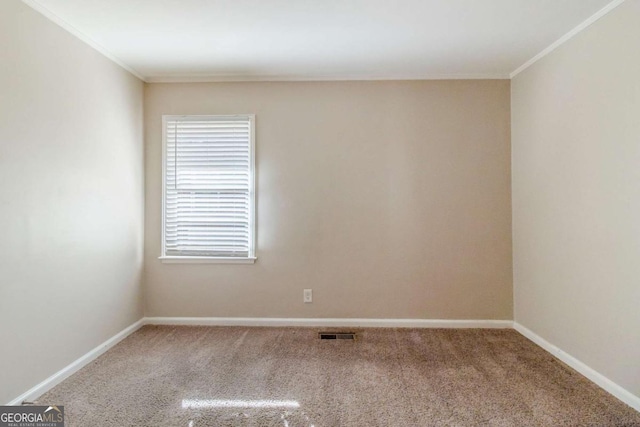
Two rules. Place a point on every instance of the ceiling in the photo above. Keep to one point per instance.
(182, 40)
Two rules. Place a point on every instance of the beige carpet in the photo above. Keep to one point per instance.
(223, 376)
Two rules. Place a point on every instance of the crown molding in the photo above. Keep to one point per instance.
(35, 5)
(206, 78)
(568, 36)
(301, 78)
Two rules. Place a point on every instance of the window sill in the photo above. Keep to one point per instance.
(205, 260)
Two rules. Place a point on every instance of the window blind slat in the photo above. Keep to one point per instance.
(208, 188)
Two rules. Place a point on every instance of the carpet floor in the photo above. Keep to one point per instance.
(183, 376)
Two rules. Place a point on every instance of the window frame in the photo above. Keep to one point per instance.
(189, 259)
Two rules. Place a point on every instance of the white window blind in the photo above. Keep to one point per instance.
(208, 186)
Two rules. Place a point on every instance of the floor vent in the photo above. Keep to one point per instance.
(337, 335)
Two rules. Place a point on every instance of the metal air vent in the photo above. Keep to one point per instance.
(337, 335)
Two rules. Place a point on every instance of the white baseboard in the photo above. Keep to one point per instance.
(599, 379)
(75, 366)
(320, 322)
(72, 368)
(593, 375)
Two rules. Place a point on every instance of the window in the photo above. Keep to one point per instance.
(208, 179)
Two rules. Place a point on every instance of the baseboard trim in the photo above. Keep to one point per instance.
(75, 366)
(605, 383)
(596, 377)
(321, 322)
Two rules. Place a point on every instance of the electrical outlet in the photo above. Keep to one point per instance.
(307, 295)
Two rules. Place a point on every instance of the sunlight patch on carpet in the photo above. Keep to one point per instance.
(197, 404)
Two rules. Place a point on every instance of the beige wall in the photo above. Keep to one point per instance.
(71, 198)
(576, 196)
(388, 199)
